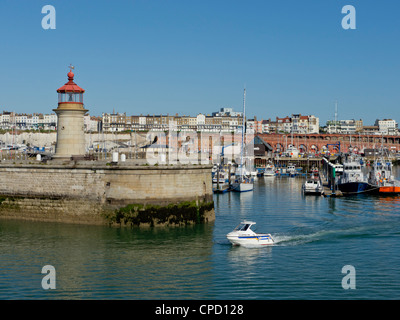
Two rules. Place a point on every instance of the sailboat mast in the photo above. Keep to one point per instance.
(336, 117)
(243, 129)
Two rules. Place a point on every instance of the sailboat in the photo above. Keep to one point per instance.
(243, 182)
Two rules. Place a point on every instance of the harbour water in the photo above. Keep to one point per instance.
(315, 238)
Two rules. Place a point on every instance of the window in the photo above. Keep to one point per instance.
(70, 97)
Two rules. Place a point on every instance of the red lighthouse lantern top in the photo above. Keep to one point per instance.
(70, 92)
(70, 86)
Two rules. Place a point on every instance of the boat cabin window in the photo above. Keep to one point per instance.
(243, 227)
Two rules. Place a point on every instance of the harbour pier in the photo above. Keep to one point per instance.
(328, 174)
(74, 186)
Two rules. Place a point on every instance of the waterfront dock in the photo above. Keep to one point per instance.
(328, 192)
(328, 179)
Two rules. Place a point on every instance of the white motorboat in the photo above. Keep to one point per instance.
(291, 170)
(220, 177)
(313, 186)
(269, 171)
(243, 235)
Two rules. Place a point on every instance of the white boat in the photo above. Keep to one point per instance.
(353, 180)
(243, 185)
(243, 235)
(313, 186)
(220, 180)
(291, 170)
(269, 171)
(220, 177)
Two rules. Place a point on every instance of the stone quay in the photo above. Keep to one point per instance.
(72, 187)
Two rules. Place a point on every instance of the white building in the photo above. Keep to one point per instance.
(227, 112)
(313, 124)
(341, 127)
(250, 126)
(6, 120)
(265, 126)
(387, 126)
(90, 123)
(201, 119)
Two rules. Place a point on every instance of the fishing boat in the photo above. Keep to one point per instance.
(243, 235)
(381, 178)
(353, 180)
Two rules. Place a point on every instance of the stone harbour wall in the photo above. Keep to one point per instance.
(91, 192)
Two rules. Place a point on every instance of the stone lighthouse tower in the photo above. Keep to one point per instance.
(70, 127)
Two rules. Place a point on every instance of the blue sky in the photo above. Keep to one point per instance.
(187, 57)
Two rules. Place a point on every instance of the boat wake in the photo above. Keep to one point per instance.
(305, 235)
(292, 240)
(321, 235)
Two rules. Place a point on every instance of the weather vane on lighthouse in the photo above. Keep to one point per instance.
(71, 67)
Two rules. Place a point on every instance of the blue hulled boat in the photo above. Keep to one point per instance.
(353, 180)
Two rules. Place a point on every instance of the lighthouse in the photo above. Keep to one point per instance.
(70, 115)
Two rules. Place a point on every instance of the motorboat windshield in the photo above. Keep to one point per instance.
(244, 226)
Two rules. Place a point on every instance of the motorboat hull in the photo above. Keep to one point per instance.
(316, 191)
(269, 174)
(312, 187)
(250, 240)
